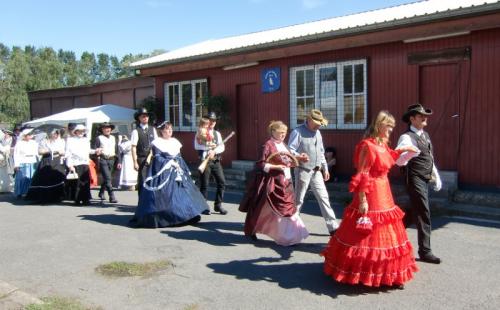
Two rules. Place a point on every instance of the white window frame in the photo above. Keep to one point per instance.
(194, 117)
(339, 101)
(293, 98)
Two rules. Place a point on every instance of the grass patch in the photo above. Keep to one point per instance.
(192, 307)
(59, 303)
(125, 269)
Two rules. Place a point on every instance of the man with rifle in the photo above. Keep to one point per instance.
(213, 152)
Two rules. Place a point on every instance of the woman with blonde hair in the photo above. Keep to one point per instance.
(270, 200)
(371, 246)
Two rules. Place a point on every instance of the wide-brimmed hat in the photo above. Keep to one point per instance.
(106, 125)
(141, 111)
(413, 110)
(80, 127)
(162, 125)
(212, 116)
(317, 117)
(6, 131)
(26, 131)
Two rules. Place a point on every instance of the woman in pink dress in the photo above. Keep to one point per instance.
(371, 246)
(269, 199)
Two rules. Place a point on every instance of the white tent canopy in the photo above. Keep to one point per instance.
(121, 117)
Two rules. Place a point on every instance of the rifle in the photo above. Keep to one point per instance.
(204, 163)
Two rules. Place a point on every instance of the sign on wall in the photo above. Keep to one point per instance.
(271, 79)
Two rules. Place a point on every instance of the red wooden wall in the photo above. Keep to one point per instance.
(464, 94)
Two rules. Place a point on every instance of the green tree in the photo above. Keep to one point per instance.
(87, 69)
(103, 67)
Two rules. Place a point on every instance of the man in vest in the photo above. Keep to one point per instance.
(141, 139)
(214, 166)
(107, 159)
(306, 143)
(418, 172)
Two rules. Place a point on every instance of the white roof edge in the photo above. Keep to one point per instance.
(365, 21)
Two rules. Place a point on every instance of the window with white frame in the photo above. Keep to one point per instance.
(184, 103)
(338, 89)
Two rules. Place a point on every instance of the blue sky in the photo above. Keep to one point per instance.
(141, 26)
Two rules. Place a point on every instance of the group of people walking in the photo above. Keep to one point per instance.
(58, 167)
(369, 247)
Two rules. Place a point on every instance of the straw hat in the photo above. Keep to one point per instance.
(317, 117)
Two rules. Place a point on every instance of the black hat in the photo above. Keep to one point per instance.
(212, 116)
(106, 125)
(413, 110)
(140, 112)
(17, 127)
(71, 126)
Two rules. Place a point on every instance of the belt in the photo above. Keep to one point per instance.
(317, 168)
(108, 157)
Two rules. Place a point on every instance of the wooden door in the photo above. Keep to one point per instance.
(439, 89)
(248, 122)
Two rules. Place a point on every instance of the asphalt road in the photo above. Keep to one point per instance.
(53, 250)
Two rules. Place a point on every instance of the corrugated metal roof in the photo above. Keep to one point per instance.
(349, 24)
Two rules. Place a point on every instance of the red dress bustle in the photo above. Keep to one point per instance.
(383, 256)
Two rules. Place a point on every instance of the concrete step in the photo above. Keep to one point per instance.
(235, 174)
(469, 210)
(245, 165)
(484, 199)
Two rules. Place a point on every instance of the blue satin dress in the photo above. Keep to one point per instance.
(170, 197)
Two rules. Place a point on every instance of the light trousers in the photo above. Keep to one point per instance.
(314, 179)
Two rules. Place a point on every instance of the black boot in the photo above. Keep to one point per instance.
(112, 198)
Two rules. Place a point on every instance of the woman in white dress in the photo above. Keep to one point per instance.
(6, 182)
(128, 175)
(77, 159)
(25, 159)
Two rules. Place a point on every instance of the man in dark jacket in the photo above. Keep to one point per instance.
(419, 171)
(141, 139)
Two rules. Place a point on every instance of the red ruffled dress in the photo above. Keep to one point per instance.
(383, 256)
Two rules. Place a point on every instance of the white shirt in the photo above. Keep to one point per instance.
(134, 138)
(77, 151)
(25, 152)
(108, 145)
(220, 148)
(171, 146)
(407, 140)
(52, 146)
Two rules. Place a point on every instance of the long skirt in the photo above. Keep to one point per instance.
(47, 184)
(128, 175)
(23, 179)
(81, 189)
(6, 182)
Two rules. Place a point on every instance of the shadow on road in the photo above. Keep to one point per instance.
(110, 219)
(306, 276)
(224, 234)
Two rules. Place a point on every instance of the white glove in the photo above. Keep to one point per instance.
(438, 184)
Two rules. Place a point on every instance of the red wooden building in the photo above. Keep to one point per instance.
(126, 92)
(443, 54)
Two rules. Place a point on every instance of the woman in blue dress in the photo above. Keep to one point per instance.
(170, 197)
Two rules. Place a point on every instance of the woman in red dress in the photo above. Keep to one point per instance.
(269, 199)
(371, 246)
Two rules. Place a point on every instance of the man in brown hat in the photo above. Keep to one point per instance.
(419, 171)
(306, 143)
(107, 159)
(141, 139)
